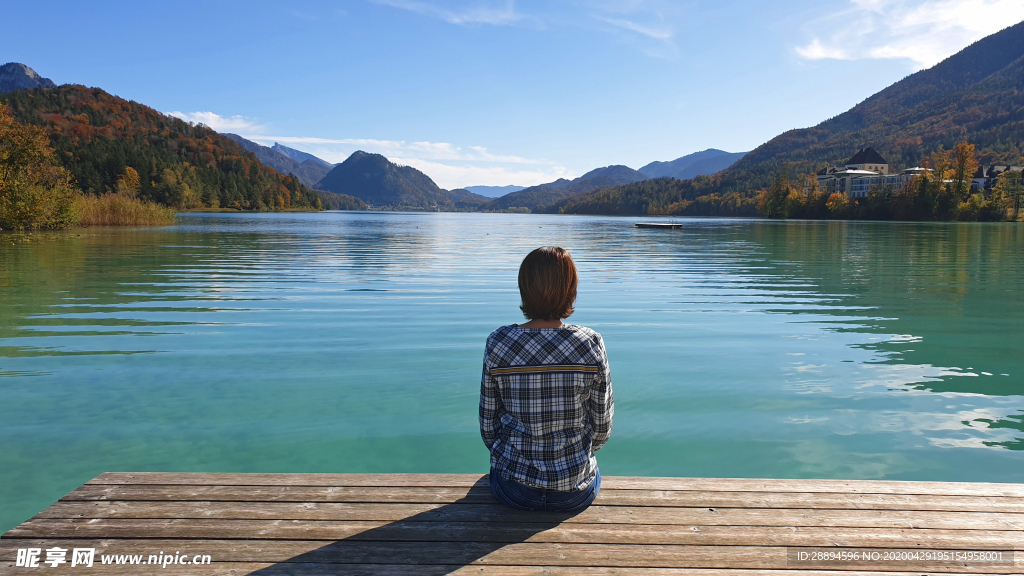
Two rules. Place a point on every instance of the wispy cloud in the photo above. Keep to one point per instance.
(449, 165)
(453, 176)
(218, 122)
(922, 31)
(649, 25)
(650, 32)
(502, 14)
(818, 51)
(424, 150)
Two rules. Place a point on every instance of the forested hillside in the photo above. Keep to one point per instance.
(308, 172)
(692, 165)
(98, 136)
(381, 183)
(538, 198)
(976, 95)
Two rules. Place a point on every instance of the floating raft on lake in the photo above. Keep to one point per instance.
(659, 225)
(408, 524)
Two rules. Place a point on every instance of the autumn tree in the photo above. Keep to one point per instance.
(128, 183)
(962, 166)
(1011, 187)
(35, 192)
(839, 205)
(936, 185)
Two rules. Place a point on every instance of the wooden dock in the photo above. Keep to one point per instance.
(398, 524)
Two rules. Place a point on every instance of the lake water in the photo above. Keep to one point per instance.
(352, 342)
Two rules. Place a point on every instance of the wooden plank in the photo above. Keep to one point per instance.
(439, 524)
(299, 569)
(840, 486)
(607, 497)
(261, 479)
(158, 492)
(519, 532)
(465, 553)
(609, 482)
(499, 513)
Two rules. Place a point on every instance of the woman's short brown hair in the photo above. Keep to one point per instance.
(547, 284)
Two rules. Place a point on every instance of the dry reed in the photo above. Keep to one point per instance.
(123, 210)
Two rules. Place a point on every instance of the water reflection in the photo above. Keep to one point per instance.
(340, 342)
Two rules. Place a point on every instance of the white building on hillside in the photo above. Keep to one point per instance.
(866, 170)
(985, 177)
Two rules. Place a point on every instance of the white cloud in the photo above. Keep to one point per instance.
(481, 13)
(451, 176)
(426, 150)
(922, 31)
(650, 32)
(818, 51)
(449, 165)
(218, 122)
(649, 25)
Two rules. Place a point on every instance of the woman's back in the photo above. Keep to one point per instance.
(545, 404)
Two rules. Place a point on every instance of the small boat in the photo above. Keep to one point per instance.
(659, 225)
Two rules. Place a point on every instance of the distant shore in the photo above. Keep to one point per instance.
(191, 210)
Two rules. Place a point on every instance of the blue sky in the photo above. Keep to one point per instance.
(498, 92)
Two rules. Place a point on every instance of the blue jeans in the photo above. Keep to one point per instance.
(512, 493)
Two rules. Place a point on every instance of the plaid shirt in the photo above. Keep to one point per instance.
(546, 404)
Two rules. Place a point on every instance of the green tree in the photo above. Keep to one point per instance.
(1010, 186)
(772, 202)
(879, 203)
(35, 192)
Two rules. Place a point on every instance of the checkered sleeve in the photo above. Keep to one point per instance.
(490, 401)
(601, 404)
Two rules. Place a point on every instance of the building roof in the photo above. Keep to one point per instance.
(867, 156)
(994, 170)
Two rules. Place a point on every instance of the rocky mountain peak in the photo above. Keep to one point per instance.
(17, 76)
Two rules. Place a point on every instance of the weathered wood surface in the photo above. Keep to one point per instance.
(341, 524)
(609, 482)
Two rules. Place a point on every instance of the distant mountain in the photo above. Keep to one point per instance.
(709, 166)
(494, 191)
(381, 183)
(536, 197)
(707, 161)
(97, 136)
(15, 76)
(976, 95)
(466, 200)
(300, 156)
(309, 173)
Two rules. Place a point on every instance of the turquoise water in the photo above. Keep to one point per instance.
(352, 342)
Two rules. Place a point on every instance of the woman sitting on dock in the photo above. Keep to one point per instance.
(546, 395)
